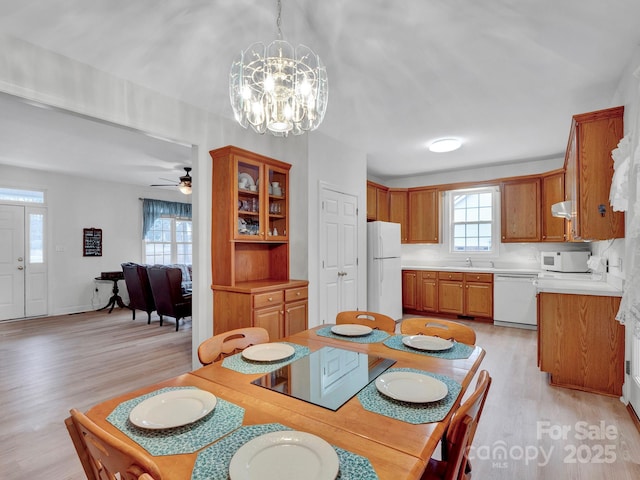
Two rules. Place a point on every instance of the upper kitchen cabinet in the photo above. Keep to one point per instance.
(553, 228)
(520, 210)
(399, 211)
(249, 217)
(424, 218)
(377, 202)
(588, 174)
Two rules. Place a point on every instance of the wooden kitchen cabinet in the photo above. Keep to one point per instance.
(553, 228)
(399, 211)
(428, 291)
(588, 174)
(451, 293)
(250, 245)
(424, 217)
(580, 343)
(478, 295)
(377, 202)
(520, 210)
(281, 309)
(410, 289)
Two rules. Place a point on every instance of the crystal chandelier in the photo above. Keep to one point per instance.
(277, 88)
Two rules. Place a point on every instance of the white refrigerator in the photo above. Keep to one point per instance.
(384, 270)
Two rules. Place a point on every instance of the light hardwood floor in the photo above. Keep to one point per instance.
(50, 365)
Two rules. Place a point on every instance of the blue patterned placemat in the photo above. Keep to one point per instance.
(458, 351)
(225, 418)
(213, 462)
(239, 364)
(415, 413)
(374, 337)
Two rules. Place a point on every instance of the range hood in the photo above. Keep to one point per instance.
(562, 209)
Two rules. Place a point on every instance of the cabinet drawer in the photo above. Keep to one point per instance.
(479, 277)
(450, 275)
(267, 299)
(293, 294)
(429, 275)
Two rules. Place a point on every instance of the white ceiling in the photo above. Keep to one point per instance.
(505, 75)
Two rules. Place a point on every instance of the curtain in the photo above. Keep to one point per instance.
(154, 209)
(630, 307)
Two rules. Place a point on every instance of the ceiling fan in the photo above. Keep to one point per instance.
(185, 183)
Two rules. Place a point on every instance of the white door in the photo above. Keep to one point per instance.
(338, 254)
(634, 389)
(12, 264)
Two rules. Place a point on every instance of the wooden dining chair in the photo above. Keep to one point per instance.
(439, 328)
(105, 457)
(459, 436)
(370, 319)
(228, 343)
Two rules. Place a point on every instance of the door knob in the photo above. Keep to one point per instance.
(20, 259)
(20, 267)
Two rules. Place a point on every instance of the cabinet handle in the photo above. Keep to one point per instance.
(298, 293)
(271, 299)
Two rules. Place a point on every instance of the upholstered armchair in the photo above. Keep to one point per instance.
(140, 296)
(166, 285)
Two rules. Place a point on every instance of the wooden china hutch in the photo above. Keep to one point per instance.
(250, 246)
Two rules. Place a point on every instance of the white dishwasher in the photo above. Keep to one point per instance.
(514, 300)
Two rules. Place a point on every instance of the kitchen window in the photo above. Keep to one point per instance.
(473, 226)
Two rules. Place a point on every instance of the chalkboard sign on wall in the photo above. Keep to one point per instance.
(92, 242)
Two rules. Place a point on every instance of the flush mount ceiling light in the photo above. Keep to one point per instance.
(278, 89)
(443, 145)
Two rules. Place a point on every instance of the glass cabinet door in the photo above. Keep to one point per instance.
(277, 207)
(249, 225)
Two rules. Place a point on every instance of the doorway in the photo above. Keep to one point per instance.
(23, 268)
(338, 253)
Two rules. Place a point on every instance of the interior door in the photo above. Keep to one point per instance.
(338, 254)
(12, 278)
(634, 389)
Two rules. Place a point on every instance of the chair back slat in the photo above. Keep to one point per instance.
(439, 328)
(370, 319)
(105, 457)
(228, 343)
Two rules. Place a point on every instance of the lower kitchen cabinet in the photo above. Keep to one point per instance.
(452, 293)
(280, 308)
(478, 294)
(428, 291)
(580, 343)
(410, 289)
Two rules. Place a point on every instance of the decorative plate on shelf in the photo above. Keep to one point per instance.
(247, 178)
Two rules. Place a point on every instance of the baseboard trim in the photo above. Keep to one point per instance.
(634, 416)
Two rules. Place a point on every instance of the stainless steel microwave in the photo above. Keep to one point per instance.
(564, 261)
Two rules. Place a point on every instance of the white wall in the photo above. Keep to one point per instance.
(75, 203)
(345, 168)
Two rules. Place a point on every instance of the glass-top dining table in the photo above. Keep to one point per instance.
(326, 388)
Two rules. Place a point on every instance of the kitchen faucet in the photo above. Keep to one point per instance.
(468, 262)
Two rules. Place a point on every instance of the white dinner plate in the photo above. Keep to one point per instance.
(286, 455)
(247, 177)
(351, 330)
(268, 352)
(411, 387)
(427, 342)
(172, 409)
